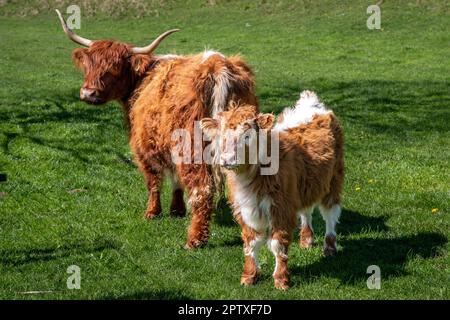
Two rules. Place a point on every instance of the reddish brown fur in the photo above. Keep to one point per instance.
(160, 95)
(311, 171)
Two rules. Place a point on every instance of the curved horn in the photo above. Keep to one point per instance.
(72, 35)
(152, 46)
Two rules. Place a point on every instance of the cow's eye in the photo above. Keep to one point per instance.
(247, 139)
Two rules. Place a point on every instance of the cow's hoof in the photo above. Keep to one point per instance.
(177, 213)
(193, 244)
(177, 207)
(152, 214)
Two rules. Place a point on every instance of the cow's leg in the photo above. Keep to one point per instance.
(153, 182)
(279, 245)
(306, 229)
(331, 216)
(177, 206)
(199, 181)
(253, 241)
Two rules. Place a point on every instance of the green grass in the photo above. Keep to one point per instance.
(390, 89)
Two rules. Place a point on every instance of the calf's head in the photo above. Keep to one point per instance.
(110, 68)
(236, 133)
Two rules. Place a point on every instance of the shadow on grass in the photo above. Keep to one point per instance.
(56, 111)
(390, 255)
(17, 257)
(392, 108)
(352, 222)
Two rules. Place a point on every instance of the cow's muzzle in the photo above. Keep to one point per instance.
(90, 96)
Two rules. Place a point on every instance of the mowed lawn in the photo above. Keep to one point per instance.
(73, 197)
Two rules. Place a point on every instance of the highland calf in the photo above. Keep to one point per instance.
(311, 172)
(160, 94)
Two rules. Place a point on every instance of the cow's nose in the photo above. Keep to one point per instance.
(87, 94)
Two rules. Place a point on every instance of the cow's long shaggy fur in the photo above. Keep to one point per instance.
(160, 94)
(311, 172)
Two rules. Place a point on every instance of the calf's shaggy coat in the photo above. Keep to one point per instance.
(159, 94)
(311, 172)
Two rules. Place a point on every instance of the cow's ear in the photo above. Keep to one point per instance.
(265, 121)
(209, 127)
(140, 63)
(79, 57)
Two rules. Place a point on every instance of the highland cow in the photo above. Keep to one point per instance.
(160, 94)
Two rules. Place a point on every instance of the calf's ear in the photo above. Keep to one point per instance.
(209, 127)
(265, 121)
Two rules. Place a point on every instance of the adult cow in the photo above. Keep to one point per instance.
(159, 94)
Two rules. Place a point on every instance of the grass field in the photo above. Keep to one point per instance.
(74, 198)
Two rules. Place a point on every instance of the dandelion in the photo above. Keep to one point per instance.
(434, 210)
(370, 181)
(357, 189)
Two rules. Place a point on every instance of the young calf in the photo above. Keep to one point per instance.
(310, 172)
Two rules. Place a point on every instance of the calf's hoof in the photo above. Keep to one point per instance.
(249, 279)
(306, 238)
(282, 283)
(329, 248)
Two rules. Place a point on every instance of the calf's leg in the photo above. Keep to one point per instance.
(331, 216)
(253, 241)
(306, 229)
(279, 245)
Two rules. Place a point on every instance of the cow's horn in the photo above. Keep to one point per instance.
(72, 35)
(152, 46)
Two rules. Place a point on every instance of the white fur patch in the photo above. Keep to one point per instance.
(255, 214)
(306, 217)
(302, 113)
(221, 87)
(221, 91)
(278, 251)
(209, 53)
(331, 217)
(253, 248)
